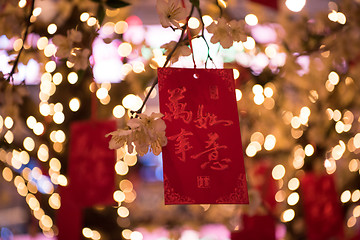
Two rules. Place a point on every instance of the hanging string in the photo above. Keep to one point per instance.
(190, 42)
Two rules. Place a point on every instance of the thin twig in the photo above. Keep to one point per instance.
(167, 61)
(28, 24)
(203, 37)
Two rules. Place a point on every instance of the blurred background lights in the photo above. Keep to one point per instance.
(124, 49)
(135, 235)
(293, 184)
(8, 122)
(102, 93)
(84, 16)
(72, 77)
(345, 196)
(270, 142)
(295, 5)
(38, 128)
(251, 19)
(309, 150)
(29, 144)
(87, 232)
(238, 94)
(74, 104)
(278, 172)
(207, 20)
(132, 102)
(119, 111)
(193, 23)
(123, 212)
(288, 215)
(293, 199)
(52, 28)
(121, 27)
(59, 117)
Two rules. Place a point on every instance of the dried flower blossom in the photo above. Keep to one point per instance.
(66, 44)
(181, 50)
(226, 33)
(144, 132)
(171, 12)
(80, 58)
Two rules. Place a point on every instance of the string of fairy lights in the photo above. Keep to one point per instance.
(26, 179)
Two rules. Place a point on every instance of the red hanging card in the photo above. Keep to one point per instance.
(323, 214)
(203, 159)
(262, 180)
(251, 226)
(69, 219)
(91, 163)
(272, 3)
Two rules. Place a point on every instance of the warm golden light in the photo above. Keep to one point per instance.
(7, 174)
(72, 78)
(295, 5)
(124, 49)
(119, 196)
(87, 232)
(193, 23)
(52, 28)
(278, 172)
(8, 122)
(251, 19)
(43, 153)
(42, 43)
(293, 184)
(74, 104)
(123, 212)
(132, 102)
(91, 21)
(270, 142)
(59, 117)
(293, 199)
(54, 201)
(121, 168)
(50, 66)
(119, 111)
(121, 27)
(288, 215)
(29, 144)
(345, 196)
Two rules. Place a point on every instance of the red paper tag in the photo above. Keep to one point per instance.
(203, 159)
(91, 163)
(251, 226)
(323, 214)
(272, 3)
(69, 219)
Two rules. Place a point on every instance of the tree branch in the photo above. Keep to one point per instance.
(28, 24)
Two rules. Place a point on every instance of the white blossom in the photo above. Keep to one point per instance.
(144, 132)
(172, 12)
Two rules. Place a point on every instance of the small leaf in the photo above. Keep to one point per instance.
(116, 3)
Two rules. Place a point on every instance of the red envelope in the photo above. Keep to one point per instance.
(203, 159)
(91, 163)
(323, 214)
